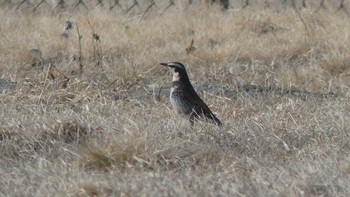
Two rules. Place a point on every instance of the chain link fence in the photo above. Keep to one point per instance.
(161, 6)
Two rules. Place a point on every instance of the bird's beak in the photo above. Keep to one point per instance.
(164, 64)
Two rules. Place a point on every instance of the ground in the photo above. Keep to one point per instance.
(92, 117)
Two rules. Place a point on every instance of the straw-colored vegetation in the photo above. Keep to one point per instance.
(93, 118)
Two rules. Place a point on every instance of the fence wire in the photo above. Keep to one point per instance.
(162, 6)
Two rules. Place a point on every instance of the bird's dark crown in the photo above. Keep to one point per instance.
(176, 65)
(178, 68)
(179, 71)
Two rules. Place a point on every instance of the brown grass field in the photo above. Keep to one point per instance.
(93, 117)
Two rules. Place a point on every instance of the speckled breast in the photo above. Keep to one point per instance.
(179, 103)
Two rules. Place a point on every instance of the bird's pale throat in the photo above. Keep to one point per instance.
(176, 76)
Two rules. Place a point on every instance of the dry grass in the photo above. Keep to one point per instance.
(96, 127)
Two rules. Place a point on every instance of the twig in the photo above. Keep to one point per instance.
(93, 40)
(156, 96)
(112, 83)
(307, 34)
(65, 77)
(95, 37)
(65, 34)
(49, 73)
(80, 50)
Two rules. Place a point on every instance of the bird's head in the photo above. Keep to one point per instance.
(178, 70)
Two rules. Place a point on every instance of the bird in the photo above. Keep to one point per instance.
(185, 99)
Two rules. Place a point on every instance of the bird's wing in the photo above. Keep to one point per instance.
(193, 97)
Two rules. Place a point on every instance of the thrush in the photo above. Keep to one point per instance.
(184, 98)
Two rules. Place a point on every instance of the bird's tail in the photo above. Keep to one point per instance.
(206, 115)
(215, 119)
